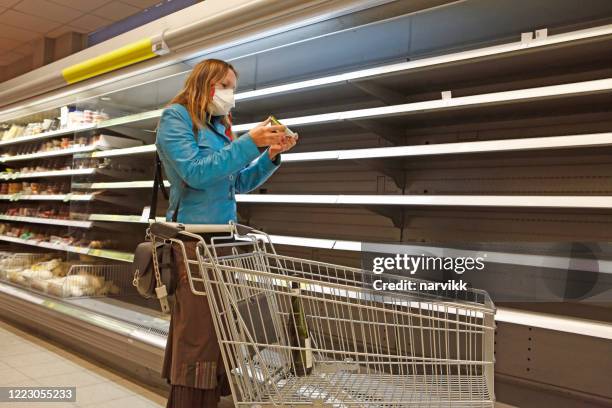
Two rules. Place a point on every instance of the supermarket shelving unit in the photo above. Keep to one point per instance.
(502, 139)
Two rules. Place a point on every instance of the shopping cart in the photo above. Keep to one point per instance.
(367, 348)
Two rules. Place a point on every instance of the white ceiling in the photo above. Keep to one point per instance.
(22, 21)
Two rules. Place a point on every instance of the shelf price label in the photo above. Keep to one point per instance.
(146, 211)
(67, 197)
(120, 256)
(15, 197)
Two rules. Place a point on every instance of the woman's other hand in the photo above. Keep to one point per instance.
(265, 135)
(283, 146)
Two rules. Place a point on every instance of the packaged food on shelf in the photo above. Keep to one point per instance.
(13, 132)
(99, 141)
(14, 262)
(62, 278)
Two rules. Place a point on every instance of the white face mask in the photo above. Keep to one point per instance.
(222, 102)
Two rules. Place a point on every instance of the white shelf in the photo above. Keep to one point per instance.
(48, 197)
(134, 118)
(100, 253)
(603, 266)
(486, 52)
(50, 173)
(51, 153)
(119, 185)
(495, 98)
(136, 219)
(43, 244)
(128, 151)
(49, 221)
(536, 143)
(520, 95)
(370, 73)
(46, 135)
(565, 324)
(550, 201)
(435, 200)
(399, 68)
(105, 142)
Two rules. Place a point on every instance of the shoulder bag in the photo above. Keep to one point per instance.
(153, 265)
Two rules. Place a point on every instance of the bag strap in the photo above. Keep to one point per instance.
(158, 184)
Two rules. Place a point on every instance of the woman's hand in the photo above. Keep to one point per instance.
(283, 146)
(264, 135)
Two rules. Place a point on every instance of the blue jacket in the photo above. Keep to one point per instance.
(206, 174)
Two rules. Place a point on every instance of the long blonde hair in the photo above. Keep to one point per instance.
(197, 92)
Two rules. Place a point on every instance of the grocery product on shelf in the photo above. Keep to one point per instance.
(35, 188)
(99, 141)
(43, 234)
(12, 131)
(59, 211)
(74, 118)
(62, 278)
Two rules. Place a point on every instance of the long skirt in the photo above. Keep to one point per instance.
(193, 365)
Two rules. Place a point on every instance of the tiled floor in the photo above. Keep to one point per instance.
(26, 360)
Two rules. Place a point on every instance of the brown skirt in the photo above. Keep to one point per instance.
(188, 397)
(193, 364)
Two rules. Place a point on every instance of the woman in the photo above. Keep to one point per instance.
(206, 165)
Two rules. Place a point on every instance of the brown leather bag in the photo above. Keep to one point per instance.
(153, 265)
(143, 270)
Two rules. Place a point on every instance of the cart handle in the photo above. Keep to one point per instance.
(172, 229)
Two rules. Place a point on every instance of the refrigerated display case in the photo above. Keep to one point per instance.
(408, 134)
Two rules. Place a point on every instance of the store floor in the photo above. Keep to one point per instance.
(26, 360)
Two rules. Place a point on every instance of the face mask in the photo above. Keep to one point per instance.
(222, 102)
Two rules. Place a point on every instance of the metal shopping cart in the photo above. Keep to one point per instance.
(358, 347)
